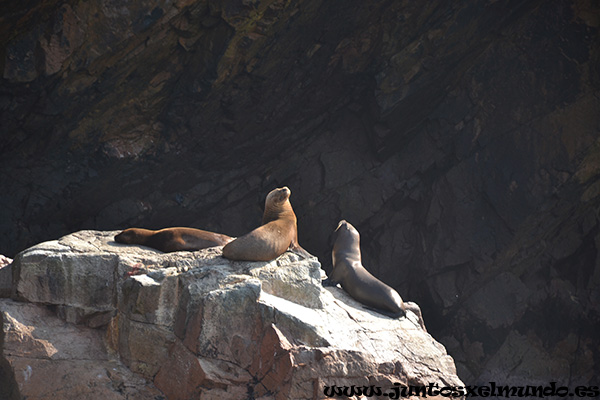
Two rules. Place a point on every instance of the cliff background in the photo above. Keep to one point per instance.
(462, 140)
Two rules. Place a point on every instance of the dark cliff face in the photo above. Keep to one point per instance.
(460, 139)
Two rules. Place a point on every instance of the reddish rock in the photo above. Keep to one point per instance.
(49, 358)
(192, 325)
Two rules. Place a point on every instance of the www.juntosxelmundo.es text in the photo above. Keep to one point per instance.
(399, 391)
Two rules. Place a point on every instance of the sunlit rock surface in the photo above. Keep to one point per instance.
(97, 318)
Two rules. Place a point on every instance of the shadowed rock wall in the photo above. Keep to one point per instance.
(460, 139)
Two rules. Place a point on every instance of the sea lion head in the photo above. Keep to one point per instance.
(131, 236)
(346, 240)
(277, 205)
(277, 197)
(346, 230)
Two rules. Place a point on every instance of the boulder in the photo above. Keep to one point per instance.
(5, 276)
(93, 316)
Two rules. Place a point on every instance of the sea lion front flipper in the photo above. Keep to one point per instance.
(328, 282)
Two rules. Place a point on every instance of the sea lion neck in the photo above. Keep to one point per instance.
(281, 211)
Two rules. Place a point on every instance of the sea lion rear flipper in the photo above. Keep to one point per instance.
(415, 309)
(296, 249)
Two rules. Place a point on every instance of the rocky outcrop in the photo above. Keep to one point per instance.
(90, 317)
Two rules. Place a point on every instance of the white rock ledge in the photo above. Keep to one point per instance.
(196, 325)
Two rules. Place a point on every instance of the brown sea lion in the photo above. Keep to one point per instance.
(358, 282)
(173, 239)
(277, 233)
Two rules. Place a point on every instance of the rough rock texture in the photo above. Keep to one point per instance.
(460, 138)
(195, 325)
(43, 357)
(5, 276)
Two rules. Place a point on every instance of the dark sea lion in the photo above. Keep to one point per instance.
(277, 233)
(358, 282)
(173, 239)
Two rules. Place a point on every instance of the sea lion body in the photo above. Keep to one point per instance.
(360, 283)
(173, 239)
(277, 233)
